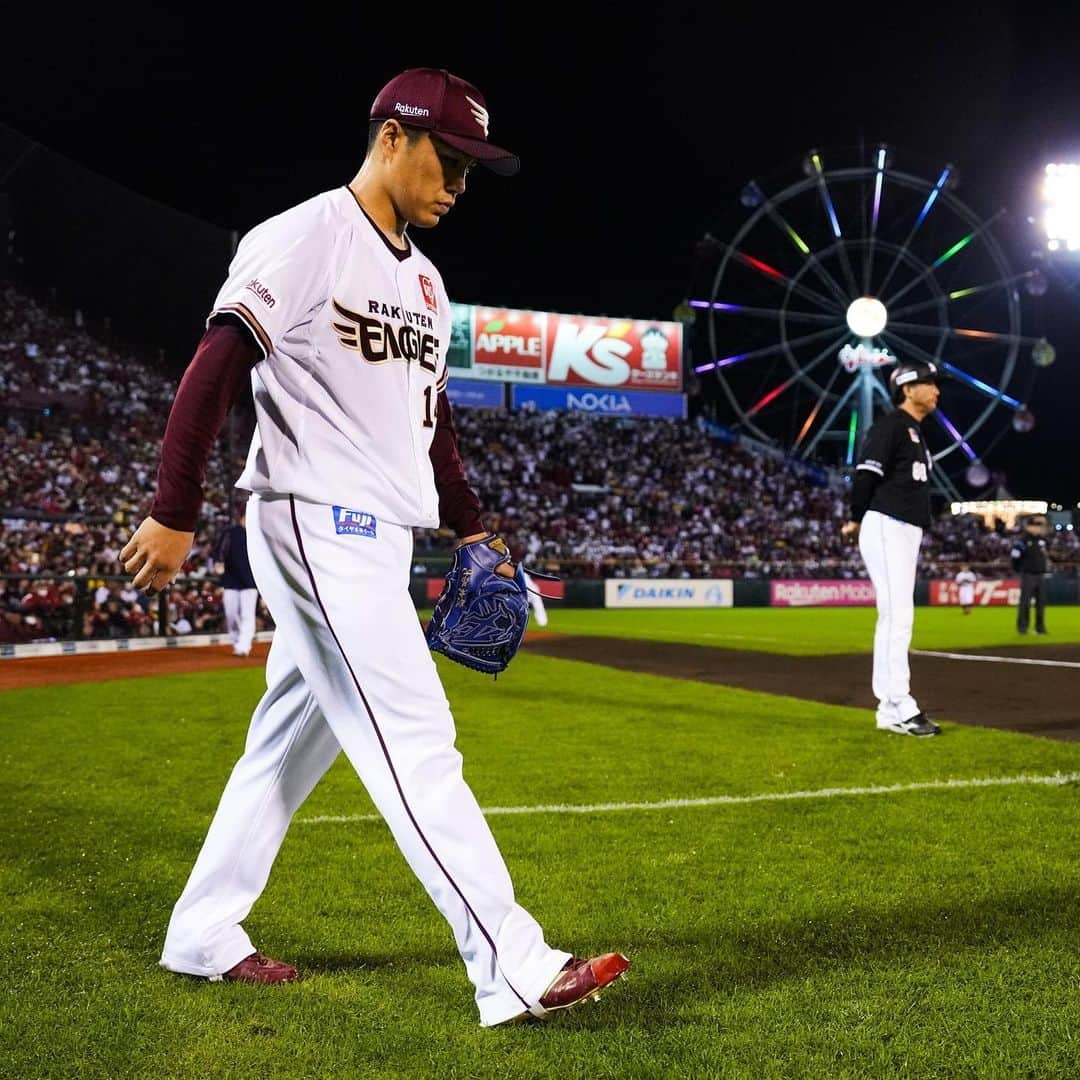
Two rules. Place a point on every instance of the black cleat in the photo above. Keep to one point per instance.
(919, 724)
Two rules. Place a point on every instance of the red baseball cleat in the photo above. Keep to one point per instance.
(580, 980)
(257, 968)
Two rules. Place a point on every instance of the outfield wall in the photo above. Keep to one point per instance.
(764, 592)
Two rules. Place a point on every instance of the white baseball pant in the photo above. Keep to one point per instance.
(239, 607)
(537, 601)
(349, 669)
(890, 551)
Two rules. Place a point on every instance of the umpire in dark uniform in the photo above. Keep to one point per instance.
(1030, 561)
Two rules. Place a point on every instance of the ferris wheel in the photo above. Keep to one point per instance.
(832, 274)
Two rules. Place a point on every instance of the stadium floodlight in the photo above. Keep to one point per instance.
(1061, 199)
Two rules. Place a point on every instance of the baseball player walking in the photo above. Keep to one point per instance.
(342, 326)
(536, 601)
(1030, 561)
(890, 508)
(240, 594)
(965, 585)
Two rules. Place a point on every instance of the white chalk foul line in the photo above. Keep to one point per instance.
(1056, 779)
(997, 659)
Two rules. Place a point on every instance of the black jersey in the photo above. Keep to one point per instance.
(1029, 554)
(893, 473)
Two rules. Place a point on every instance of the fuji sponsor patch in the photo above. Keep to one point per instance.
(354, 522)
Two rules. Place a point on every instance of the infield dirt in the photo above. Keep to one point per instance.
(1035, 698)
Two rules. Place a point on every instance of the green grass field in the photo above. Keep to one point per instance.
(904, 927)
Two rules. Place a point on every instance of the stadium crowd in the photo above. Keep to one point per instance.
(582, 496)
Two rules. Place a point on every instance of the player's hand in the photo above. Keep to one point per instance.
(154, 555)
(505, 569)
(849, 530)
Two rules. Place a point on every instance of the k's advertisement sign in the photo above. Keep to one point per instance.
(668, 592)
(615, 354)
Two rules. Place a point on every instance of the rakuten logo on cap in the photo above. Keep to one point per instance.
(411, 110)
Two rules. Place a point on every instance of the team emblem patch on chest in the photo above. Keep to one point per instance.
(354, 522)
(913, 436)
(428, 289)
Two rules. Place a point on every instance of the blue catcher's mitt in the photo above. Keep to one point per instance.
(481, 615)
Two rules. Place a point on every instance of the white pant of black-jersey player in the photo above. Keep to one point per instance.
(890, 550)
(349, 669)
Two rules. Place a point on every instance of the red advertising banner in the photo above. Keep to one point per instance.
(509, 345)
(1003, 593)
(820, 593)
(616, 354)
(549, 590)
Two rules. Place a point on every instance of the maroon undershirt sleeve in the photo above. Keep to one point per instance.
(211, 384)
(459, 506)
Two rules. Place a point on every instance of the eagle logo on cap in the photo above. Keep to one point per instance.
(480, 114)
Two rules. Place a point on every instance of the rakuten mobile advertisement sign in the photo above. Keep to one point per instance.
(821, 593)
(1003, 593)
(668, 592)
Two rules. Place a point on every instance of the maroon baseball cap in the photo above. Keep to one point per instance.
(451, 108)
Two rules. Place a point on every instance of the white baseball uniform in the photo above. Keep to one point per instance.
(965, 581)
(536, 600)
(354, 334)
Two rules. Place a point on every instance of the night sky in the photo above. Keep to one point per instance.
(636, 136)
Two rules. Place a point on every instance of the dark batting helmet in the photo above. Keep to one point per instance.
(912, 371)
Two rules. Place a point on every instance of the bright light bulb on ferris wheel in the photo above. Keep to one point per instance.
(866, 317)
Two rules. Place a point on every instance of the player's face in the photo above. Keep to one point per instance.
(925, 395)
(432, 177)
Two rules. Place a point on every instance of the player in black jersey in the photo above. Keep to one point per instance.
(890, 508)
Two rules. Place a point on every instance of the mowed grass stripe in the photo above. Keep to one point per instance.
(1056, 780)
(812, 631)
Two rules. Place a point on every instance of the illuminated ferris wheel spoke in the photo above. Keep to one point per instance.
(982, 387)
(827, 423)
(834, 221)
(808, 423)
(803, 248)
(766, 313)
(768, 350)
(930, 200)
(875, 214)
(829, 350)
(963, 332)
(943, 258)
(958, 439)
(905, 347)
(962, 294)
(780, 278)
